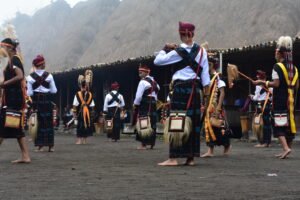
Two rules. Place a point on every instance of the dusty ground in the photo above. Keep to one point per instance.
(106, 170)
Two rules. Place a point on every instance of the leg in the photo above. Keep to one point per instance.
(142, 147)
(209, 153)
(226, 150)
(51, 148)
(1, 140)
(189, 161)
(78, 141)
(25, 153)
(39, 149)
(84, 140)
(286, 148)
(169, 162)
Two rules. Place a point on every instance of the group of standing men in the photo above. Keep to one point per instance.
(196, 96)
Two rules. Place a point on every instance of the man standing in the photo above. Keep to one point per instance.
(113, 105)
(191, 76)
(145, 104)
(41, 87)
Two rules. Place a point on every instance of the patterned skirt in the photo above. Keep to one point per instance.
(115, 114)
(42, 103)
(143, 112)
(180, 98)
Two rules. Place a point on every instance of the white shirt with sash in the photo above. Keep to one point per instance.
(187, 73)
(108, 98)
(30, 81)
(144, 85)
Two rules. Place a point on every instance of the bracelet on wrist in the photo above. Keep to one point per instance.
(267, 83)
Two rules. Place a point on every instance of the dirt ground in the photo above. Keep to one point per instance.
(107, 170)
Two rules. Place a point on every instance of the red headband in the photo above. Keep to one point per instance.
(38, 61)
(7, 45)
(144, 68)
(114, 85)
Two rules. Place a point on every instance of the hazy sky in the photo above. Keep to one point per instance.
(8, 8)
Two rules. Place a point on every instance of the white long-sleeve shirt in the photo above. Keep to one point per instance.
(107, 99)
(257, 96)
(30, 81)
(186, 73)
(76, 102)
(144, 85)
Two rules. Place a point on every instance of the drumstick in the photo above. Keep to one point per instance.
(247, 77)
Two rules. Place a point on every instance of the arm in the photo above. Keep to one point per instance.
(164, 58)
(139, 93)
(29, 86)
(122, 101)
(105, 109)
(221, 98)
(53, 88)
(205, 77)
(19, 76)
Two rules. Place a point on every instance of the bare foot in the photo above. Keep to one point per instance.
(51, 149)
(285, 154)
(226, 150)
(21, 161)
(169, 162)
(262, 145)
(190, 163)
(39, 150)
(278, 155)
(141, 148)
(207, 155)
(78, 142)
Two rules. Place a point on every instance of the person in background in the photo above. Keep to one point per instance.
(82, 104)
(145, 104)
(113, 106)
(41, 87)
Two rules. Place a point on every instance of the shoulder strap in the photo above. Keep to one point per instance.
(285, 73)
(40, 80)
(291, 96)
(79, 94)
(189, 58)
(90, 98)
(114, 98)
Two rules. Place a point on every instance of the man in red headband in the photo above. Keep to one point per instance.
(113, 106)
(259, 98)
(145, 105)
(192, 75)
(41, 87)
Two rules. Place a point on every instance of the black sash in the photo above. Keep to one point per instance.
(40, 80)
(188, 59)
(153, 84)
(114, 98)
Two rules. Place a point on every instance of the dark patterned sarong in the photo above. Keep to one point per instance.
(180, 98)
(143, 111)
(42, 103)
(83, 131)
(114, 113)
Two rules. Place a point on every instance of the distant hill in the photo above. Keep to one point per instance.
(107, 30)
